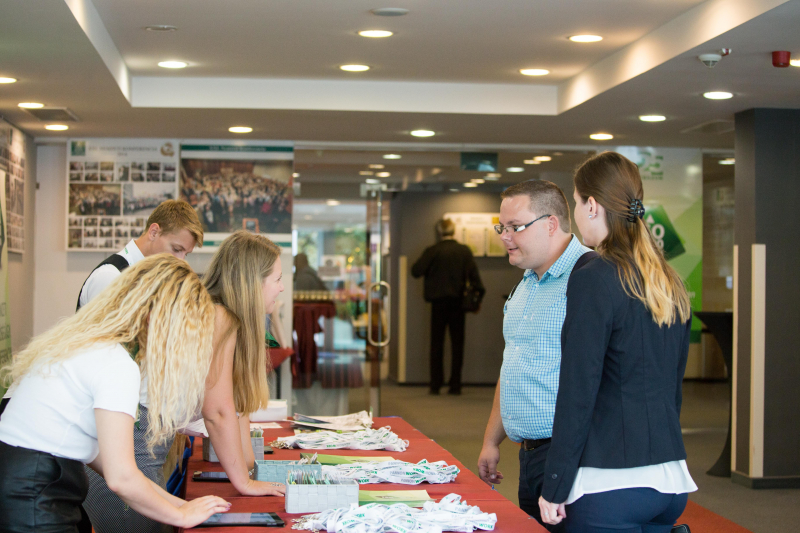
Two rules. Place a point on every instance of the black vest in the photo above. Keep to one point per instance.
(115, 260)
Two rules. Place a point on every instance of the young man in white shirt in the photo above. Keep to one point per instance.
(173, 227)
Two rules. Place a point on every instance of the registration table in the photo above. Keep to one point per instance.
(467, 485)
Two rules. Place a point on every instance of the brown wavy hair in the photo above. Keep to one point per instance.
(614, 182)
(160, 304)
(234, 279)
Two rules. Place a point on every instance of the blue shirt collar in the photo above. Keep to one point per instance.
(566, 261)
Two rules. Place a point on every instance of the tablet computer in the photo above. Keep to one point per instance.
(244, 519)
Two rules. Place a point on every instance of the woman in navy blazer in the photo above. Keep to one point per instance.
(617, 460)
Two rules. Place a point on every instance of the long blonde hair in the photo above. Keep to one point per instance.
(234, 280)
(159, 304)
(614, 182)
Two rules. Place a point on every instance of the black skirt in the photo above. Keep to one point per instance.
(39, 492)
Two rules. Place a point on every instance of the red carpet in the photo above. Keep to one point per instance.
(701, 520)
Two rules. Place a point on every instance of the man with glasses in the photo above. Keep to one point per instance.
(535, 229)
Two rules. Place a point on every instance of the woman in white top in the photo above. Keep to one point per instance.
(243, 280)
(617, 460)
(76, 391)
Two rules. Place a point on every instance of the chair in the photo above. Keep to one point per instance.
(178, 477)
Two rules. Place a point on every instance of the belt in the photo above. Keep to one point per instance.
(532, 444)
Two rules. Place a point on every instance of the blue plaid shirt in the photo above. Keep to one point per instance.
(532, 358)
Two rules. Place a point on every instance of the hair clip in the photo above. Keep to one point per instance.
(636, 210)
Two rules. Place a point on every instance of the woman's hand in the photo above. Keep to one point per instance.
(201, 509)
(552, 513)
(263, 488)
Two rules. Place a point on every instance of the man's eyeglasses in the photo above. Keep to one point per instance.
(500, 229)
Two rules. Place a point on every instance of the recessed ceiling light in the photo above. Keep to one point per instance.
(376, 34)
(601, 136)
(30, 105)
(558, 153)
(240, 129)
(534, 72)
(585, 38)
(652, 118)
(728, 161)
(354, 68)
(161, 28)
(478, 180)
(390, 11)
(383, 174)
(718, 95)
(532, 162)
(493, 175)
(543, 158)
(792, 62)
(378, 167)
(333, 202)
(8, 80)
(296, 175)
(173, 64)
(454, 190)
(365, 173)
(56, 127)
(392, 156)
(372, 181)
(470, 184)
(423, 133)
(515, 169)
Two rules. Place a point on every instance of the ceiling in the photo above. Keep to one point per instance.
(452, 67)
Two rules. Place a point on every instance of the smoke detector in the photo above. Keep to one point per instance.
(711, 60)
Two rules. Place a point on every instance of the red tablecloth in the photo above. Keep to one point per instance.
(278, 356)
(510, 518)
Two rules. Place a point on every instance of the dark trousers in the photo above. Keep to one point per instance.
(39, 492)
(447, 313)
(531, 479)
(639, 510)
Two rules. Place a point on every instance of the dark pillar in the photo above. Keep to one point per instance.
(766, 375)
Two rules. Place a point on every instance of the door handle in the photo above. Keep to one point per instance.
(388, 307)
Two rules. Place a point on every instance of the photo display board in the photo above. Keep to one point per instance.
(113, 185)
(12, 161)
(476, 230)
(5, 311)
(242, 186)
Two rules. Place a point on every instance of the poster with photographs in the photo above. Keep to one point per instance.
(12, 161)
(234, 187)
(113, 186)
(5, 311)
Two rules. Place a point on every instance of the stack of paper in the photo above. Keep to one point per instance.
(351, 422)
(412, 498)
(276, 410)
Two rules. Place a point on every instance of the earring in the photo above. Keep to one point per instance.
(591, 217)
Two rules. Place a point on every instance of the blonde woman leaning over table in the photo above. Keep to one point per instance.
(243, 279)
(76, 391)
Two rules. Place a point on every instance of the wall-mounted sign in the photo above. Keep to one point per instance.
(12, 161)
(480, 161)
(476, 231)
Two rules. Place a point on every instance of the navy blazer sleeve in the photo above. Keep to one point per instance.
(584, 339)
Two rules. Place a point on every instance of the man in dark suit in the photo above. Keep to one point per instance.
(447, 265)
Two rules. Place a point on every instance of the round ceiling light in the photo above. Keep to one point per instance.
(375, 34)
(532, 162)
(390, 11)
(652, 118)
(423, 133)
(333, 202)
(56, 127)
(240, 129)
(601, 136)
(161, 28)
(383, 174)
(8, 80)
(718, 95)
(515, 169)
(30, 105)
(792, 62)
(392, 156)
(534, 71)
(365, 173)
(173, 64)
(585, 38)
(493, 176)
(478, 180)
(377, 167)
(470, 184)
(354, 68)
(543, 158)
(728, 161)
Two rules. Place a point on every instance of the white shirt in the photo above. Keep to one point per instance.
(104, 275)
(667, 478)
(52, 408)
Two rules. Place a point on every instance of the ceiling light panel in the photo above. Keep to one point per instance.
(56, 127)
(601, 136)
(8, 80)
(470, 185)
(515, 169)
(543, 158)
(392, 156)
(365, 173)
(383, 174)
(173, 64)
(354, 68)
(718, 95)
(377, 167)
(423, 133)
(30, 105)
(375, 34)
(534, 72)
(652, 118)
(240, 129)
(585, 38)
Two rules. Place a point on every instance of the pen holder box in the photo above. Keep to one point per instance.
(276, 470)
(256, 442)
(318, 498)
